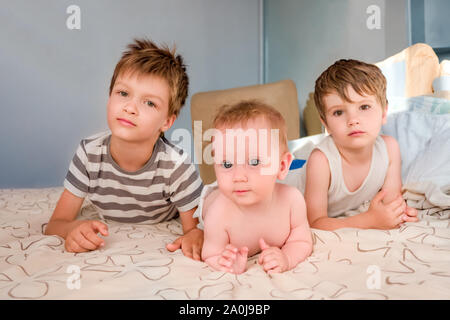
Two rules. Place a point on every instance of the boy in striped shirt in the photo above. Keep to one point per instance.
(132, 174)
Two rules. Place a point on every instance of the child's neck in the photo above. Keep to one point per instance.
(257, 208)
(360, 155)
(131, 156)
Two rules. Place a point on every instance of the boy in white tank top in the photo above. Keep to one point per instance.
(354, 164)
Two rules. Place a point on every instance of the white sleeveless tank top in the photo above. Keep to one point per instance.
(340, 199)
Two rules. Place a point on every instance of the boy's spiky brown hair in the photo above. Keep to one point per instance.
(144, 57)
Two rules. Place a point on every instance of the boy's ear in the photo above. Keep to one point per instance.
(169, 122)
(385, 112)
(285, 163)
(323, 123)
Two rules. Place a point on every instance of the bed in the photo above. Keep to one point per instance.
(412, 262)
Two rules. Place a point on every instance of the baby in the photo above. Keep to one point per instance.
(351, 165)
(246, 211)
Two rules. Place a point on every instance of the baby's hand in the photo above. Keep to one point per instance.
(83, 237)
(233, 260)
(272, 259)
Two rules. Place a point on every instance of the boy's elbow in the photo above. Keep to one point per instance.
(47, 229)
(313, 222)
(323, 223)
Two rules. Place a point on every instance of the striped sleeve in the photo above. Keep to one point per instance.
(77, 178)
(186, 187)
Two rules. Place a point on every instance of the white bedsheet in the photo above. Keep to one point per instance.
(424, 141)
(412, 262)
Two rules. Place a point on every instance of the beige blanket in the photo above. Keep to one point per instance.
(412, 262)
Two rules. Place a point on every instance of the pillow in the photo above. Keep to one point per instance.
(410, 72)
(395, 73)
(421, 104)
(311, 117)
(424, 140)
(301, 149)
(441, 85)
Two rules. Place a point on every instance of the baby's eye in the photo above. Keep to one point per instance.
(123, 93)
(227, 164)
(338, 113)
(149, 103)
(254, 162)
(365, 107)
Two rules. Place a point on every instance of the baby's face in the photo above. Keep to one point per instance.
(247, 161)
(354, 124)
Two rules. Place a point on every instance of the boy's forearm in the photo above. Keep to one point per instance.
(188, 222)
(60, 227)
(64, 216)
(391, 194)
(360, 221)
(187, 227)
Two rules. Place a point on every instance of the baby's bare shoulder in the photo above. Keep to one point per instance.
(293, 198)
(210, 198)
(288, 193)
(216, 207)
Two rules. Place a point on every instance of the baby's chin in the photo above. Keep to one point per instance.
(250, 198)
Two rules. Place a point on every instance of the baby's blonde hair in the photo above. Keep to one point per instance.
(242, 112)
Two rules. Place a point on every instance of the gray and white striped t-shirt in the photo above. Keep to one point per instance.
(167, 184)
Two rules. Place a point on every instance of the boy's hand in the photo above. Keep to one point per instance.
(191, 244)
(233, 260)
(83, 236)
(386, 216)
(410, 215)
(272, 259)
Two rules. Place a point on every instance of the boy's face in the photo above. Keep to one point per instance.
(249, 164)
(138, 108)
(353, 124)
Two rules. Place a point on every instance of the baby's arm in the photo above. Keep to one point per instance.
(299, 243)
(79, 235)
(217, 252)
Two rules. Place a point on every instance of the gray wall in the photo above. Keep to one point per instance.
(437, 27)
(303, 37)
(430, 25)
(54, 81)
